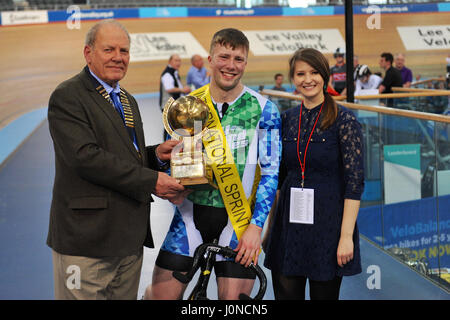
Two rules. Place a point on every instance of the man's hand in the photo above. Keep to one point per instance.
(180, 197)
(164, 150)
(169, 188)
(249, 246)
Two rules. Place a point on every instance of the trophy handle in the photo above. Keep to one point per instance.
(169, 130)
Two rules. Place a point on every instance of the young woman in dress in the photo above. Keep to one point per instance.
(313, 232)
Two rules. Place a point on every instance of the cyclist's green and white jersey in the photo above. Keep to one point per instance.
(252, 128)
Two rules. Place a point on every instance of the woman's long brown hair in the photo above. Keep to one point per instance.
(317, 61)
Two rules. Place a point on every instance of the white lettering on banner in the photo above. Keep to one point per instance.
(425, 37)
(160, 46)
(24, 17)
(286, 42)
(84, 15)
(386, 9)
(235, 12)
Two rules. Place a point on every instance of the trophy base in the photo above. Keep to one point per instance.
(193, 174)
(198, 183)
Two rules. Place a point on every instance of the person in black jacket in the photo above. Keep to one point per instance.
(171, 85)
(392, 78)
(105, 175)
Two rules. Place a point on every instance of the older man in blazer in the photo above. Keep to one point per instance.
(105, 175)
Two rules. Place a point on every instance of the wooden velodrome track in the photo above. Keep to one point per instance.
(35, 58)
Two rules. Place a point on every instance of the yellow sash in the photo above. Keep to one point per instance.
(225, 171)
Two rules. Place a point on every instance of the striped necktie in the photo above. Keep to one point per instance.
(117, 104)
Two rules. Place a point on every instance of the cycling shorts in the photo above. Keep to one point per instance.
(193, 225)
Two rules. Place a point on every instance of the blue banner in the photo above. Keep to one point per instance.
(399, 8)
(310, 11)
(54, 16)
(234, 12)
(163, 12)
(176, 12)
(415, 225)
(443, 7)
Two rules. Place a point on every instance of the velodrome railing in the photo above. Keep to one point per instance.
(405, 207)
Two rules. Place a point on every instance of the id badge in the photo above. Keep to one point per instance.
(302, 206)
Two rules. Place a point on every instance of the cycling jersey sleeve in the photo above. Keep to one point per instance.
(269, 154)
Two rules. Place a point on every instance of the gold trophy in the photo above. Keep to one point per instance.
(185, 119)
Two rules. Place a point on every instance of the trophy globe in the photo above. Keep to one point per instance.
(185, 119)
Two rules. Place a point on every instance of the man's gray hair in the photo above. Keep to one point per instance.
(92, 33)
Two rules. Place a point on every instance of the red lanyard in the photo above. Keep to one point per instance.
(303, 165)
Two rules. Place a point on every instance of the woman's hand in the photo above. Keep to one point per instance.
(345, 250)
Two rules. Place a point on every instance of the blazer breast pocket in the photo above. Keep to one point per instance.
(86, 204)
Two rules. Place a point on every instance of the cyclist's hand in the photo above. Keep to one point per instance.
(249, 246)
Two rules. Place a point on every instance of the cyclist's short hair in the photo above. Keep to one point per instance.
(230, 37)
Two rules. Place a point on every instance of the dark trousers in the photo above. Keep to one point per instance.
(293, 288)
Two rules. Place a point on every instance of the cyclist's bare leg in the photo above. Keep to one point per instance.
(164, 286)
(231, 288)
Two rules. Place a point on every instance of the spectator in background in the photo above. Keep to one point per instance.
(197, 75)
(283, 104)
(392, 78)
(366, 80)
(171, 85)
(339, 72)
(279, 82)
(407, 75)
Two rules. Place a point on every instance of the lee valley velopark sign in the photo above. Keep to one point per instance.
(286, 42)
(161, 45)
(425, 37)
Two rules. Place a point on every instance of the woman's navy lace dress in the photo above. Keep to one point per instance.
(334, 169)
